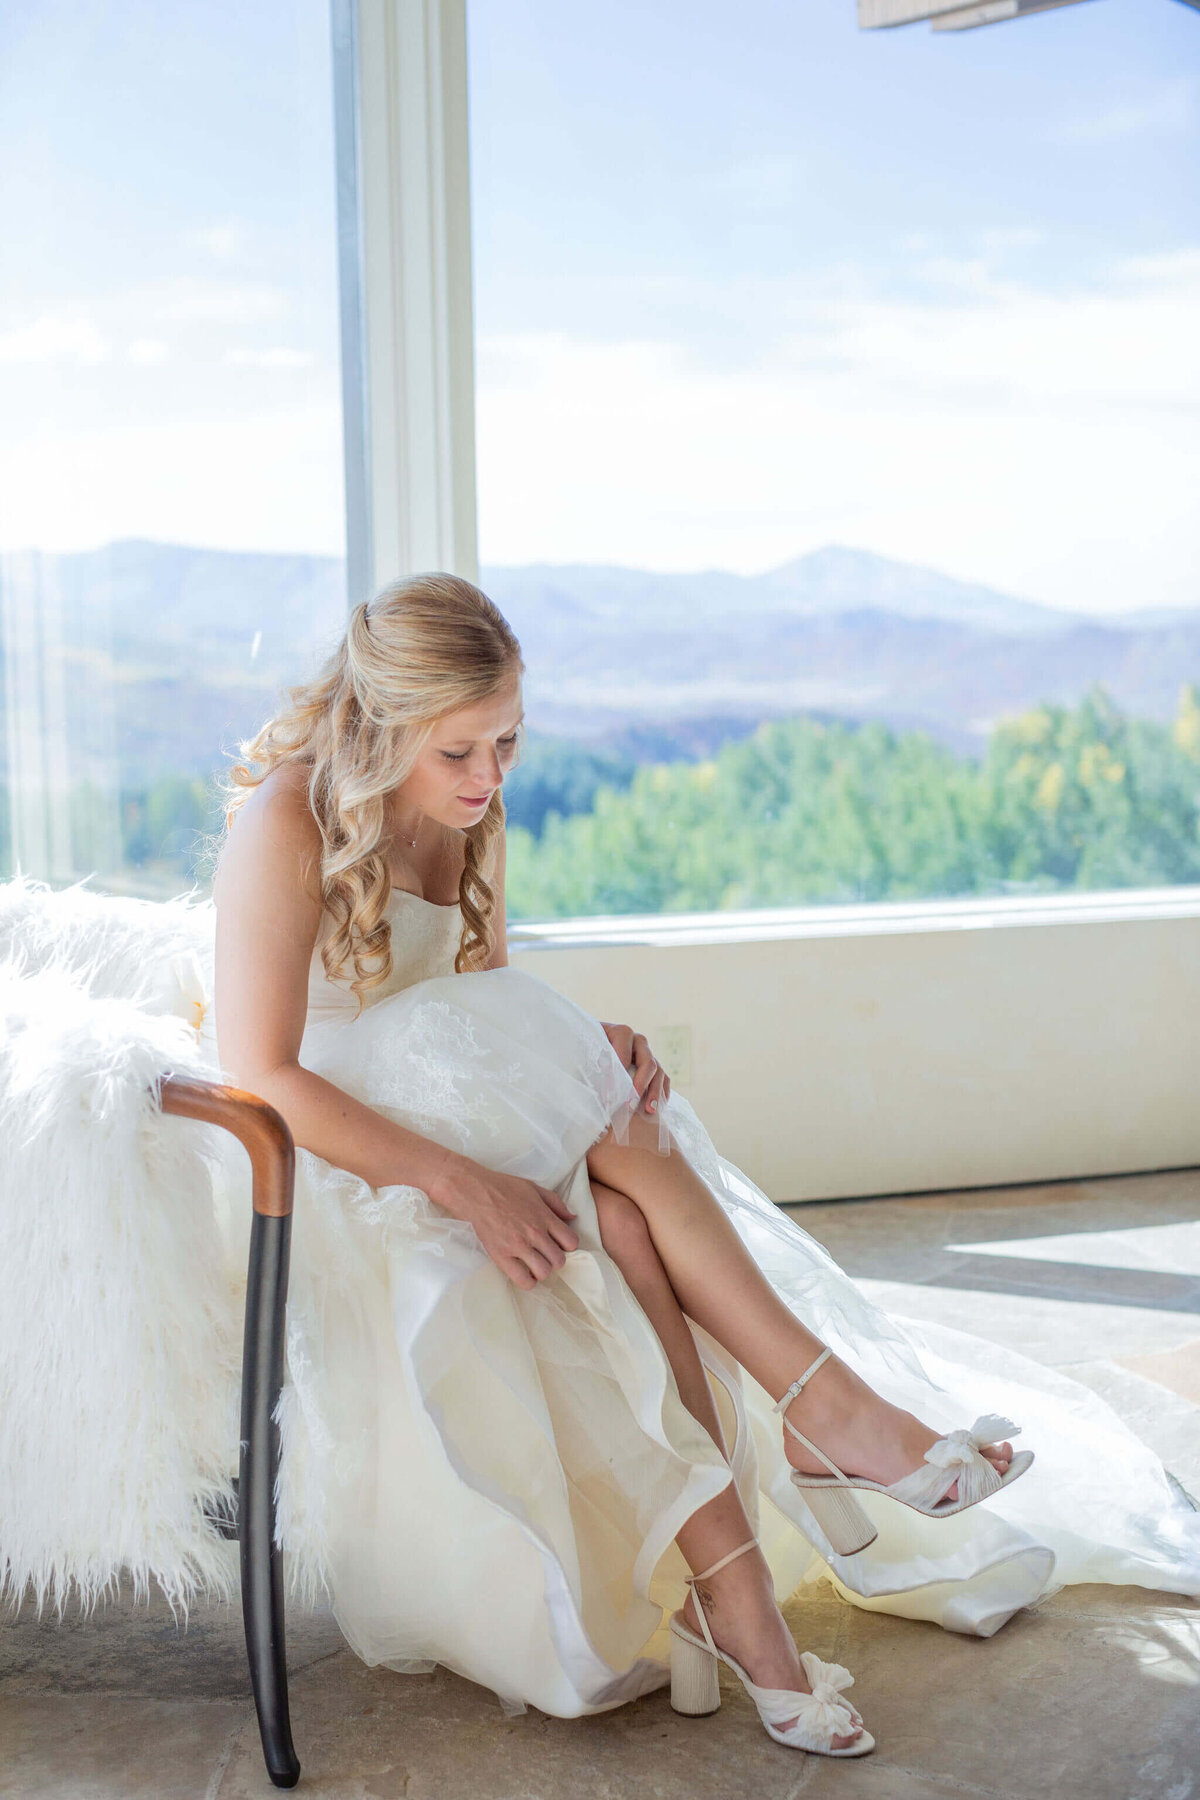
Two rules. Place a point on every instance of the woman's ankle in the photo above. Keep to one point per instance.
(743, 1591)
(857, 1429)
(834, 1399)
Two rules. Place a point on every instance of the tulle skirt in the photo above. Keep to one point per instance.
(492, 1478)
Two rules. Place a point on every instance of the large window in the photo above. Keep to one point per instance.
(838, 448)
(171, 536)
(836, 400)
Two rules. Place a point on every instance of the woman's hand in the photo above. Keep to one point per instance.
(524, 1228)
(649, 1078)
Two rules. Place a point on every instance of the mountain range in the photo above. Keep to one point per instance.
(162, 655)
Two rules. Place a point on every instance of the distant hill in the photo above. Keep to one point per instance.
(839, 632)
(831, 581)
(167, 654)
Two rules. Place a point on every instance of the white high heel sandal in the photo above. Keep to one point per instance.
(817, 1718)
(955, 1457)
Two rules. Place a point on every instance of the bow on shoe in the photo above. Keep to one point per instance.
(827, 1681)
(820, 1716)
(963, 1446)
(958, 1454)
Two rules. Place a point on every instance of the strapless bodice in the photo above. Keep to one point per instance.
(425, 938)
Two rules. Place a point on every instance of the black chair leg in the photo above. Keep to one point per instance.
(262, 1563)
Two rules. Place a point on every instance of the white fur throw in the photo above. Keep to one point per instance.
(120, 1332)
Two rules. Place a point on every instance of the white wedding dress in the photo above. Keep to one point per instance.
(495, 1477)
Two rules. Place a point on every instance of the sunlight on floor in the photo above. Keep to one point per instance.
(1168, 1249)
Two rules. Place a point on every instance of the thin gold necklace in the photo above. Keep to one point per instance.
(411, 842)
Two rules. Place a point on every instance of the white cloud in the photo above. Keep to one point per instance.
(994, 240)
(1166, 270)
(276, 358)
(220, 241)
(1169, 108)
(55, 340)
(761, 183)
(270, 481)
(1131, 341)
(195, 300)
(147, 351)
(1044, 442)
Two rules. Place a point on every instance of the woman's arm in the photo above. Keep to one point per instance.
(268, 914)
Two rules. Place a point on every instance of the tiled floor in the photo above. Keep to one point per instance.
(1093, 1695)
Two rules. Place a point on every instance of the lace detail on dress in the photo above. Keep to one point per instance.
(433, 1084)
(397, 1208)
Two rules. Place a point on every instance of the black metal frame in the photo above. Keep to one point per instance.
(273, 1160)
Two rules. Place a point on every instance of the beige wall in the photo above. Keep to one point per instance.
(939, 1057)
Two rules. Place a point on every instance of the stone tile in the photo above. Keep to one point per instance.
(103, 1747)
(880, 1239)
(1084, 1208)
(139, 1650)
(1164, 1421)
(370, 1734)
(1082, 1701)
(920, 1238)
(1170, 1248)
(874, 1778)
(1163, 1188)
(1167, 1193)
(1139, 1288)
(1043, 1327)
(1034, 1194)
(950, 1200)
(1178, 1370)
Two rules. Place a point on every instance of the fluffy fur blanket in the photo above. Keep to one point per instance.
(120, 1333)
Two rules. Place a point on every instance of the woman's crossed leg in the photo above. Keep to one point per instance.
(739, 1600)
(718, 1283)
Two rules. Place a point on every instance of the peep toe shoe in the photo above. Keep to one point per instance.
(954, 1458)
(817, 1718)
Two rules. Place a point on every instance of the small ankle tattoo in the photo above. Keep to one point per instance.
(706, 1597)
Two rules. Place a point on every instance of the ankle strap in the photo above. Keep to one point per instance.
(750, 1544)
(786, 1399)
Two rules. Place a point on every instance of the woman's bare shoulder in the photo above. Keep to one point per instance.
(274, 838)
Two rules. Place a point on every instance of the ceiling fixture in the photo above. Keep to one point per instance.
(952, 15)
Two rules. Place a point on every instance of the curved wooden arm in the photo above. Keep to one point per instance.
(265, 1134)
(262, 1130)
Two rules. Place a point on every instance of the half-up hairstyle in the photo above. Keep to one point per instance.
(422, 648)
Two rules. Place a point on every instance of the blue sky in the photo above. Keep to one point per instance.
(679, 138)
(748, 280)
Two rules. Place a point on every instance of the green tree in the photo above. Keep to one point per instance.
(803, 812)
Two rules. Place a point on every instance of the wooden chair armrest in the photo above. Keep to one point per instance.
(266, 1137)
(257, 1125)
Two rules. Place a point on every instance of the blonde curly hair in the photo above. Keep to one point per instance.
(421, 648)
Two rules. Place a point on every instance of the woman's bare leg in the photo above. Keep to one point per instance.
(718, 1283)
(740, 1599)
(626, 1237)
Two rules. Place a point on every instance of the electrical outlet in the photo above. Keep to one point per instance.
(672, 1045)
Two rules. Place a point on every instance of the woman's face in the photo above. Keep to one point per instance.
(465, 760)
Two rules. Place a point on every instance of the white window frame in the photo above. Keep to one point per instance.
(404, 231)
(400, 73)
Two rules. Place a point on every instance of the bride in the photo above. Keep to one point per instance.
(554, 1363)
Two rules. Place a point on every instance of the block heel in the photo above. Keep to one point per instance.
(839, 1515)
(810, 1721)
(695, 1686)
